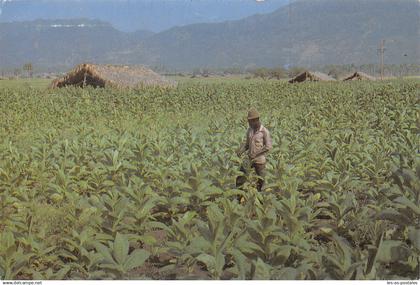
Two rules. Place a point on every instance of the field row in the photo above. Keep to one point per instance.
(100, 183)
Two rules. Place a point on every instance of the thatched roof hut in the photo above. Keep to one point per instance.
(359, 76)
(111, 75)
(311, 76)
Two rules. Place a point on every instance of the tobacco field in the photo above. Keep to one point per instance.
(140, 184)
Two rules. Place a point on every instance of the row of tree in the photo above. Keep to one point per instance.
(394, 70)
(340, 71)
(27, 70)
(335, 71)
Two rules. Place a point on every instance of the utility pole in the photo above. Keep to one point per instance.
(381, 51)
(289, 59)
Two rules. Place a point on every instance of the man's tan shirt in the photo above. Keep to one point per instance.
(256, 142)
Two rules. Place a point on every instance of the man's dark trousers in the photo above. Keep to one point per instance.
(259, 169)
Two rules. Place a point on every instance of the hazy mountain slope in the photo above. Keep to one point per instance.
(62, 43)
(131, 15)
(306, 33)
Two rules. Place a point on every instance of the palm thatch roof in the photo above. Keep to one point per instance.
(359, 76)
(111, 75)
(311, 76)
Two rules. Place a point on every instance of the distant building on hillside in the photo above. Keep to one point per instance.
(112, 76)
(311, 76)
(359, 76)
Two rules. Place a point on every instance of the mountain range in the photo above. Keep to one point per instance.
(132, 15)
(303, 33)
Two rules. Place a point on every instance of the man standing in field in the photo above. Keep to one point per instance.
(258, 143)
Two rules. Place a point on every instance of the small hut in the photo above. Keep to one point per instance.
(113, 76)
(359, 76)
(311, 76)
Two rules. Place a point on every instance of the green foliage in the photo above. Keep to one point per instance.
(106, 184)
(116, 258)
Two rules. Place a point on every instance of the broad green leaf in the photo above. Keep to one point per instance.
(7, 240)
(35, 275)
(262, 270)
(219, 263)
(136, 259)
(394, 216)
(345, 250)
(282, 253)
(208, 260)
(404, 201)
(105, 252)
(392, 251)
(287, 273)
(62, 273)
(373, 252)
(242, 264)
(414, 236)
(120, 251)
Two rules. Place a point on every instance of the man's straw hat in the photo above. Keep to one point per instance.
(253, 114)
